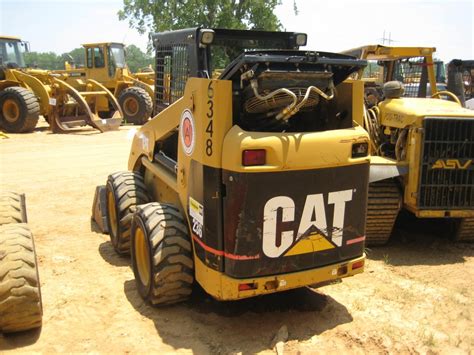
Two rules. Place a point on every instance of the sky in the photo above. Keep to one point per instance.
(331, 25)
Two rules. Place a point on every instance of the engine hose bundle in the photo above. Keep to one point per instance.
(373, 127)
(294, 106)
(285, 111)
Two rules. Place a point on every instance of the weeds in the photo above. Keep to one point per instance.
(429, 340)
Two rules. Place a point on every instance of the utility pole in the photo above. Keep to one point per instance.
(389, 39)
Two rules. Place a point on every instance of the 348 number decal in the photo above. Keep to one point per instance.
(210, 115)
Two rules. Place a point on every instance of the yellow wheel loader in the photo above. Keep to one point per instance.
(105, 63)
(250, 183)
(20, 294)
(422, 148)
(25, 94)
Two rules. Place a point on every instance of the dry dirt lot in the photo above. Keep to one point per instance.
(416, 295)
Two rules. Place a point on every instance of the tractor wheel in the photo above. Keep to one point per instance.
(20, 294)
(136, 105)
(124, 192)
(12, 208)
(161, 254)
(19, 110)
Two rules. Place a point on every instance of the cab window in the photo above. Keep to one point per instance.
(99, 61)
(89, 58)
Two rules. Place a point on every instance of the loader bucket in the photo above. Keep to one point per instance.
(73, 109)
(108, 124)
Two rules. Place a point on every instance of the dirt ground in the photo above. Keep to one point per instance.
(416, 295)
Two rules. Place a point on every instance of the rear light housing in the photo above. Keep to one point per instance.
(254, 157)
(360, 150)
(248, 286)
(358, 265)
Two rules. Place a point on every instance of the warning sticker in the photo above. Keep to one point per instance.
(187, 132)
(196, 210)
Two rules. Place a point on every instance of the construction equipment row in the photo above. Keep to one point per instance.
(101, 95)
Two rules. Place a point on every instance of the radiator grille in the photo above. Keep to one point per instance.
(447, 166)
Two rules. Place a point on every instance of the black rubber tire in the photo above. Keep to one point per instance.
(169, 254)
(20, 293)
(128, 190)
(142, 100)
(28, 107)
(12, 208)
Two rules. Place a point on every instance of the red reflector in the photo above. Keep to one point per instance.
(357, 265)
(246, 287)
(253, 157)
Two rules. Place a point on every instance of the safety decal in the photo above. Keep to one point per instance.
(188, 132)
(196, 211)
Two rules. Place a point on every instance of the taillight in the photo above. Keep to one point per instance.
(358, 265)
(254, 157)
(247, 287)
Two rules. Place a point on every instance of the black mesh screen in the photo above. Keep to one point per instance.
(172, 71)
(410, 72)
(447, 166)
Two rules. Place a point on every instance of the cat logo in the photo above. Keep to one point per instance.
(312, 229)
(451, 164)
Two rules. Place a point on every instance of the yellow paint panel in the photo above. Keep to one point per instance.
(314, 242)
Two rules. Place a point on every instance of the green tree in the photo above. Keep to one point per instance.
(136, 59)
(164, 15)
(48, 60)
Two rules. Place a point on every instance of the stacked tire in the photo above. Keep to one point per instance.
(20, 294)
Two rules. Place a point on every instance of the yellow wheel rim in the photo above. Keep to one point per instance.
(130, 106)
(142, 256)
(10, 110)
(112, 213)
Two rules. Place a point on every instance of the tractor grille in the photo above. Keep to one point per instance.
(447, 166)
(171, 74)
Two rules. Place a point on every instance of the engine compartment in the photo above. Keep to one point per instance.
(290, 91)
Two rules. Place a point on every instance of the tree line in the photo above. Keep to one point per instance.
(135, 57)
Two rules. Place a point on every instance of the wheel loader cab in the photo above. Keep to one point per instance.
(103, 60)
(259, 177)
(12, 51)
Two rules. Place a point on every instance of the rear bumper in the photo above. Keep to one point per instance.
(225, 288)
